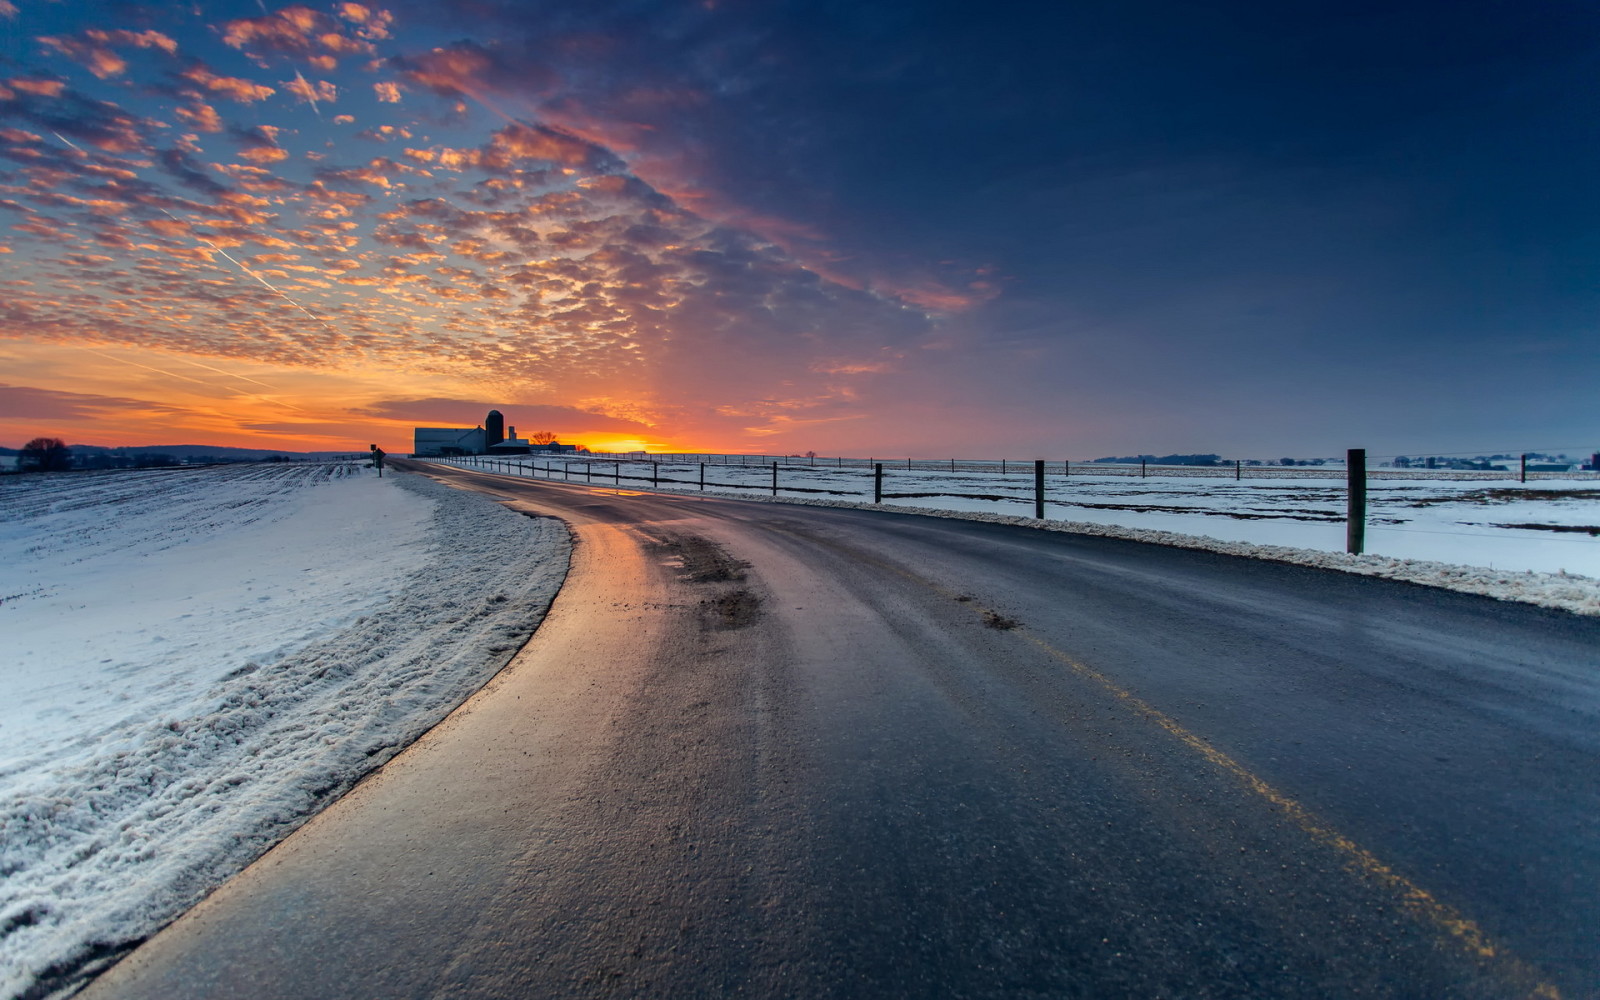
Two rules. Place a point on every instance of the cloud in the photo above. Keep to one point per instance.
(527, 417)
(241, 90)
(468, 69)
(186, 169)
(299, 32)
(30, 403)
(322, 91)
(260, 145)
(94, 49)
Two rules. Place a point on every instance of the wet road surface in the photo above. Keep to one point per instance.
(776, 750)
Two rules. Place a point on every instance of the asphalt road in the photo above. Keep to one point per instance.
(789, 751)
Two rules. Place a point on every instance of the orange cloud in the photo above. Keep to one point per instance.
(241, 90)
(200, 116)
(302, 88)
(295, 31)
(93, 48)
(37, 87)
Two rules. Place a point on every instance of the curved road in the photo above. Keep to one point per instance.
(778, 750)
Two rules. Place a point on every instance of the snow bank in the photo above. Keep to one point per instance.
(273, 635)
(1260, 515)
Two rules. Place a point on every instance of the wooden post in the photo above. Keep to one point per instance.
(1002, 466)
(1355, 537)
(774, 478)
(877, 482)
(702, 475)
(616, 472)
(1038, 488)
(1066, 469)
(1238, 468)
(1524, 468)
(655, 473)
(1141, 468)
(908, 465)
(952, 465)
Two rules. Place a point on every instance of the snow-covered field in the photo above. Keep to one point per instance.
(194, 661)
(1537, 542)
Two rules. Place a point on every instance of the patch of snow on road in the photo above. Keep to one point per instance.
(199, 660)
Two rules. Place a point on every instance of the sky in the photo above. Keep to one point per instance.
(921, 228)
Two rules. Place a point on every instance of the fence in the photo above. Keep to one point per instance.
(1036, 483)
(1515, 467)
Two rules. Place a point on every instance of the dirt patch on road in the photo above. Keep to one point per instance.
(699, 560)
(732, 610)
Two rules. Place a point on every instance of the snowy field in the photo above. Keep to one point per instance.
(197, 660)
(1538, 541)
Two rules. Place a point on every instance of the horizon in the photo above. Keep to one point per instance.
(904, 228)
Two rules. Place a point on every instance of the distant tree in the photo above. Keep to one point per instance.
(811, 454)
(543, 437)
(44, 454)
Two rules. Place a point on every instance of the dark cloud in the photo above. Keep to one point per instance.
(186, 168)
(30, 403)
(466, 68)
(69, 113)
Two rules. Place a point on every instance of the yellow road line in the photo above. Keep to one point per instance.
(1412, 896)
(1419, 901)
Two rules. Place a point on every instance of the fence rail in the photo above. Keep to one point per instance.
(1063, 467)
(1002, 482)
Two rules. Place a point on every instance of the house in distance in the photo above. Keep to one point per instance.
(492, 437)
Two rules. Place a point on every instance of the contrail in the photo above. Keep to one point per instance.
(196, 381)
(69, 142)
(246, 378)
(269, 285)
(219, 371)
(158, 371)
(311, 95)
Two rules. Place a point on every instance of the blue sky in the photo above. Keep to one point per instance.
(1061, 230)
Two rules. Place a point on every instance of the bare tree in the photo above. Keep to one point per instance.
(543, 437)
(45, 455)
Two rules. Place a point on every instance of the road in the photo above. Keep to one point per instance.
(777, 750)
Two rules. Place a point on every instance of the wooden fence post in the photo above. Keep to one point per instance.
(702, 475)
(1038, 488)
(1355, 537)
(1524, 468)
(1141, 468)
(655, 473)
(774, 478)
(1238, 468)
(877, 482)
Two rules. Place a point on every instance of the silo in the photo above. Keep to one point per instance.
(494, 429)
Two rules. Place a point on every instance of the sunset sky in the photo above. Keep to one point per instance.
(917, 228)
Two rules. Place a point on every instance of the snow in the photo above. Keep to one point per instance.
(1465, 532)
(198, 660)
